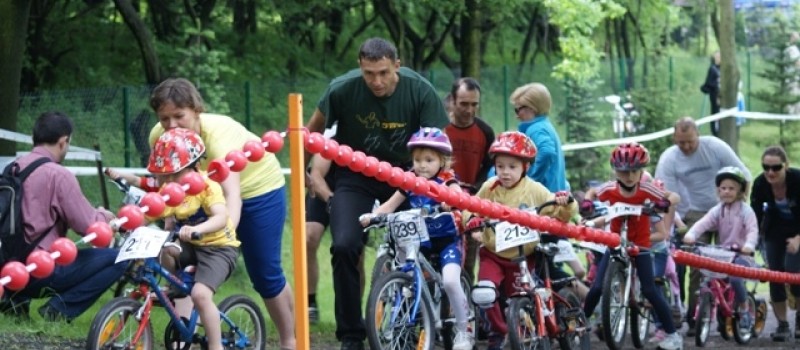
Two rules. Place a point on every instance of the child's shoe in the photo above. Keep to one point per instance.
(463, 341)
(672, 341)
(657, 337)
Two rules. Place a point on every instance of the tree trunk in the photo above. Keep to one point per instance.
(471, 40)
(152, 69)
(13, 28)
(729, 71)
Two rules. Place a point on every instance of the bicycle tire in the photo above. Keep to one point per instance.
(761, 316)
(173, 340)
(614, 285)
(702, 323)
(109, 329)
(383, 265)
(639, 320)
(523, 327)
(246, 316)
(743, 335)
(572, 340)
(389, 307)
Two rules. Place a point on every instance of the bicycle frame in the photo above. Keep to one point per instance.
(722, 297)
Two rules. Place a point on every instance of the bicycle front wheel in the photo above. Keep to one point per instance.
(640, 320)
(243, 325)
(703, 320)
(523, 327)
(744, 334)
(115, 327)
(395, 319)
(615, 312)
(383, 265)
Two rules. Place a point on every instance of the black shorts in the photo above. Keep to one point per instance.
(317, 211)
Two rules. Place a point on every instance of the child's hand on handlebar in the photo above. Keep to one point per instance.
(185, 233)
(562, 197)
(364, 219)
(688, 239)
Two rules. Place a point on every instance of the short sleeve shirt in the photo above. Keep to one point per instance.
(381, 126)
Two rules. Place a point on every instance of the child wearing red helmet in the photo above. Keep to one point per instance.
(628, 161)
(175, 154)
(512, 153)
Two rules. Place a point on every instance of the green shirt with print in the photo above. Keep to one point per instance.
(381, 126)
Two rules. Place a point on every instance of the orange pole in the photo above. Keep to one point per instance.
(298, 190)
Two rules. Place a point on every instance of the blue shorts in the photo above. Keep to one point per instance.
(261, 231)
(449, 250)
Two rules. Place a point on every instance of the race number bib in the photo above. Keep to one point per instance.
(144, 242)
(624, 209)
(508, 235)
(565, 252)
(408, 227)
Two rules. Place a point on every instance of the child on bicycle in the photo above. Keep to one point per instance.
(512, 153)
(628, 161)
(737, 225)
(175, 154)
(430, 151)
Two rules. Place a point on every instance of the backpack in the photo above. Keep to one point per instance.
(12, 230)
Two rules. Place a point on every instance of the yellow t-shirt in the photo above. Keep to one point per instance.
(196, 210)
(527, 194)
(221, 134)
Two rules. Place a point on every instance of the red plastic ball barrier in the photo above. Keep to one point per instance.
(237, 160)
(155, 204)
(254, 150)
(422, 185)
(195, 183)
(384, 171)
(103, 233)
(345, 156)
(175, 193)
(218, 170)
(66, 249)
(396, 177)
(370, 166)
(331, 149)
(409, 181)
(19, 276)
(45, 264)
(314, 142)
(274, 141)
(359, 162)
(134, 215)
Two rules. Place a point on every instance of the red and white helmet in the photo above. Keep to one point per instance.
(629, 156)
(175, 150)
(430, 138)
(513, 143)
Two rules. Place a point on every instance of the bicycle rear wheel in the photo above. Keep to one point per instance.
(523, 327)
(615, 312)
(115, 327)
(395, 319)
(576, 334)
(244, 327)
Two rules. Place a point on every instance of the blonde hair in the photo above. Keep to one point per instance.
(533, 95)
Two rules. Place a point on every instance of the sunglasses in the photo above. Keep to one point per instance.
(773, 167)
(519, 109)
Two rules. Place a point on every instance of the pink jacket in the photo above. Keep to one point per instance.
(736, 224)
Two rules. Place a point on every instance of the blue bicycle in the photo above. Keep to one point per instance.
(124, 322)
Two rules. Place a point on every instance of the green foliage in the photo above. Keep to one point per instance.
(580, 120)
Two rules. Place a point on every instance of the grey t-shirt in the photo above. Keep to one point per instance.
(692, 176)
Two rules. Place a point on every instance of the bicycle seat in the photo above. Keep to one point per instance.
(562, 282)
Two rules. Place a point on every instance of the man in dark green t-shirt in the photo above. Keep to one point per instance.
(378, 107)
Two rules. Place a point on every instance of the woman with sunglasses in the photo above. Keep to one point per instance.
(776, 200)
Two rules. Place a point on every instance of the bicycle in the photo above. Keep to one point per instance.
(622, 297)
(407, 305)
(124, 322)
(716, 299)
(536, 314)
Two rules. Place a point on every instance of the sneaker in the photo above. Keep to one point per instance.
(782, 333)
(50, 314)
(657, 337)
(672, 341)
(313, 314)
(352, 344)
(463, 341)
(497, 341)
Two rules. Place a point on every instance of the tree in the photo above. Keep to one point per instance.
(13, 29)
(729, 71)
(152, 68)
